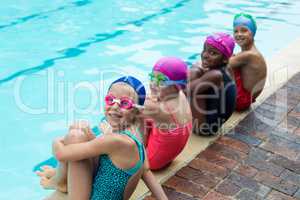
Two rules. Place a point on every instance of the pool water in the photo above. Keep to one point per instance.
(58, 57)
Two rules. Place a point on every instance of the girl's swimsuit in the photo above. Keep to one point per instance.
(110, 181)
(163, 147)
(244, 98)
(220, 108)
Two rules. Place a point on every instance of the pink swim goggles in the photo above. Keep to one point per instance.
(124, 102)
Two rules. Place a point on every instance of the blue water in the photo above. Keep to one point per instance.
(58, 57)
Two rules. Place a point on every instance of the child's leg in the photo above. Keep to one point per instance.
(197, 102)
(57, 178)
(198, 107)
(79, 174)
(61, 177)
(80, 177)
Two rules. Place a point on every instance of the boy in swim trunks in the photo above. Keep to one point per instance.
(248, 66)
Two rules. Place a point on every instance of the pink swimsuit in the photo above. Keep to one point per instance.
(163, 147)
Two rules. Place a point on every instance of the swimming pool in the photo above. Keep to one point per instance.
(57, 58)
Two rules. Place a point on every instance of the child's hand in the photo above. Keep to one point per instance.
(84, 126)
(198, 65)
(105, 127)
(205, 69)
(150, 106)
(152, 98)
(58, 141)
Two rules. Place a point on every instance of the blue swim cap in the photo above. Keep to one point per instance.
(136, 85)
(245, 20)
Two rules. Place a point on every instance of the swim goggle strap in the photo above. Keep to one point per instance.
(124, 102)
(162, 80)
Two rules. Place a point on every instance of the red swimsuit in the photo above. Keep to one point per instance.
(163, 147)
(244, 98)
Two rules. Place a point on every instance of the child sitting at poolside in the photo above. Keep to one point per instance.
(167, 112)
(249, 66)
(211, 90)
(120, 155)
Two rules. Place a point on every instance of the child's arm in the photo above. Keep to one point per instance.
(151, 108)
(85, 127)
(143, 128)
(210, 79)
(196, 71)
(155, 110)
(239, 60)
(84, 150)
(151, 182)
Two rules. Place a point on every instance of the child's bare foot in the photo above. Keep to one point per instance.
(48, 180)
(51, 184)
(47, 171)
(48, 183)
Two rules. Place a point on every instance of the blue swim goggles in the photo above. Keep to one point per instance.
(162, 80)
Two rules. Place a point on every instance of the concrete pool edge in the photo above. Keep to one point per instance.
(282, 66)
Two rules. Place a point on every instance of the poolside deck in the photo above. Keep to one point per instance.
(259, 155)
(258, 159)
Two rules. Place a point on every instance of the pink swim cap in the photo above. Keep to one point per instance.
(223, 42)
(174, 68)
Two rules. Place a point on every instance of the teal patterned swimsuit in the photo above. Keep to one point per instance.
(110, 181)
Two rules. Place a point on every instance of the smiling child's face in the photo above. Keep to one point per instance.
(120, 118)
(211, 57)
(242, 36)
